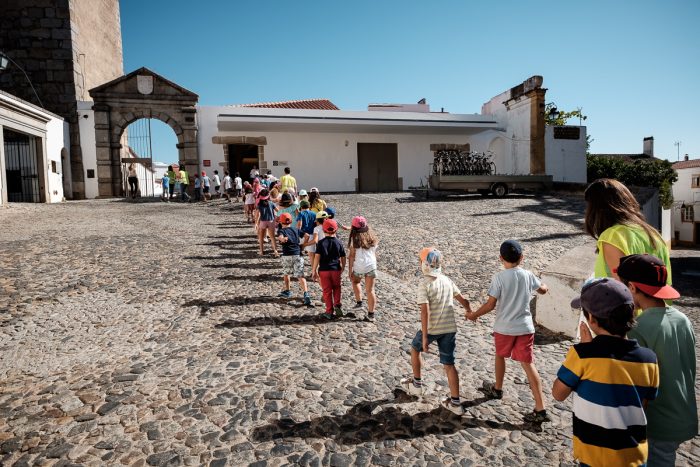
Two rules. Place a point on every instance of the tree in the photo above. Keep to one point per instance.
(561, 116)
(655, 173)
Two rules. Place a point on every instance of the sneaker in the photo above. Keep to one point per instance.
(410, 388)
(358, 304)
(327, 315)
(285, 294)
(338, 311)
(307, 301)
(370, 317)
(456, 409)
(536, 417)
(489, 390)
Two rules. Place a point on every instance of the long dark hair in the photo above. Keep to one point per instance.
(263, 203)
(313, 196)
(361, 238)
(609, 203)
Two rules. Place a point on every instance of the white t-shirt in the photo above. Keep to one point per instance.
(227, 182)
(318, 230)
(217, 180)
(365, 260)
(250, 198)
(238, 182)
(206, 181)
(513, 290)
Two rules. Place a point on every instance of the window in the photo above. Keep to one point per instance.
(687, 214)
(54, 169)
(695, 181)
(90, 173)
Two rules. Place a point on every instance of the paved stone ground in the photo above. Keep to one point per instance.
(149, 334)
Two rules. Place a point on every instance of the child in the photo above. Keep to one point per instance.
(249, 203)
(238, 186)
(303, 195)
(197, 188)
(166, 187)
(673, 417)
(286, 205)
(331, 215)
(363, 263)
(228, 186)
(292, 261)
(266, 223)
(328, 265)
(514, 331)
(206, 184)
(318, 235)
(612, 379)
(435, 297)
(306, 221)
(217, 184)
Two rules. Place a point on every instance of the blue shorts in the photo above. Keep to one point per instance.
(446, 345)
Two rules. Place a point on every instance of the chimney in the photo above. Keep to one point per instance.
(649, 146)
(685, 158)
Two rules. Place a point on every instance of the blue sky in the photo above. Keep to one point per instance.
(632, 66)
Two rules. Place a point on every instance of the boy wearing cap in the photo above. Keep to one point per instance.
(328, 266)
(292, 261)
(673, 416)
(612, 379)
(306, 221)
(436, 295)
(514, 331)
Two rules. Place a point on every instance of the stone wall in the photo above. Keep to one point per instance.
(65, 47)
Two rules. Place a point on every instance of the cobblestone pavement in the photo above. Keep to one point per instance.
(150, 334)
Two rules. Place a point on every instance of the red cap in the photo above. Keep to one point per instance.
(285, 218)
(329, 225)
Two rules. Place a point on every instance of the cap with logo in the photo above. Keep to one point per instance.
(648, 273)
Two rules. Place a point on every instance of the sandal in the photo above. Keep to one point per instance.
(536, 417)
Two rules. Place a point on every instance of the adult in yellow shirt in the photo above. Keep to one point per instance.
(288, 182)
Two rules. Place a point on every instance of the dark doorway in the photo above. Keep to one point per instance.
(378, 166)
(242, 158)
(697, 233)
(21, 168)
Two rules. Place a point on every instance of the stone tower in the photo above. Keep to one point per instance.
(66, 47)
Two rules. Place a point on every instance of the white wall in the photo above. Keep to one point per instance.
(88, 146)
(323, 159)
(683, 193)
(565, 159)
(56, 141)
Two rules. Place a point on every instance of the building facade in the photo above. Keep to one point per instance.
(66, 48)
(686, 196)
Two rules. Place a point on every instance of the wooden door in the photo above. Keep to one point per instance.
(378, 166)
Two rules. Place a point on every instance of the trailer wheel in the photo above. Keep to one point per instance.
(499, 190)
(483, 193)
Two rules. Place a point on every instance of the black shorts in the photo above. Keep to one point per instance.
(217, 187)
(206, 189)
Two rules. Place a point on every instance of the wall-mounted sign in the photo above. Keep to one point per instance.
(206, 162)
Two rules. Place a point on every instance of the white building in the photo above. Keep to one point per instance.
(33, 144)
(686, 196)
(389, 146)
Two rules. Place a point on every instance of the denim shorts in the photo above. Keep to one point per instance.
(446, 345)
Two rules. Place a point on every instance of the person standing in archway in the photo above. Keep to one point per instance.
(254, 173)
(184, 178)
(171, 176)
(133, 181)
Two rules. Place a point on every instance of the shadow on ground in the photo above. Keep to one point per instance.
(265, 277)
(283, 321)
(363, 423)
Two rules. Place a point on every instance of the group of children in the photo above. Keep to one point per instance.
(305, 225)
(176, 179)
(633, 384)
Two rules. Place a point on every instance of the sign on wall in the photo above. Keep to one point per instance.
(206, 162)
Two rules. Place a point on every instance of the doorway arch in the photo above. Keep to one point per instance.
(140, 94)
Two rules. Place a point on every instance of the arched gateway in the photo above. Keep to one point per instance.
(140, 94)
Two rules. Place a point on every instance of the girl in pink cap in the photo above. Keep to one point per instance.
(363, 263)
(266, 221)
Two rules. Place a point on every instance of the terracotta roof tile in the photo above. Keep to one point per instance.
(687, 164)
(309, 104)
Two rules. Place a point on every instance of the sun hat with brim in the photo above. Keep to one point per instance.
(648, 273)
(303, 193)
(321, 215)
(601, 296)
(314, 189)
(285, 218)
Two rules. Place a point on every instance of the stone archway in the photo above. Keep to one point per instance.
(140, 94)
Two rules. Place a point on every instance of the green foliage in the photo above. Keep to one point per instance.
(562, 117)
(643, 173)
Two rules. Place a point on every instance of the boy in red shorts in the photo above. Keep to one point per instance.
(514, 332)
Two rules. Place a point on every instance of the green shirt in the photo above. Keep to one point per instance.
(631, 240)
(673, 416)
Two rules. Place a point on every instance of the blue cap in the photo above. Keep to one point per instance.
(511, 251)
(330, 211)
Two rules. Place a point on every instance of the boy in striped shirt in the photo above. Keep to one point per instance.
(437, 316)
(612, 378)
